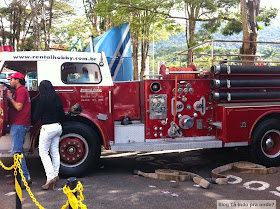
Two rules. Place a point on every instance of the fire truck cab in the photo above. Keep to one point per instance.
(183, 108)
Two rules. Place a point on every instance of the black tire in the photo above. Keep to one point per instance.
(79, 149)
(265, 143)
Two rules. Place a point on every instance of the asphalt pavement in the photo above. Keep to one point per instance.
(113, 185)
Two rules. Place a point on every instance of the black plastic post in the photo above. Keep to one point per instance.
(18, 189)
(72, 183)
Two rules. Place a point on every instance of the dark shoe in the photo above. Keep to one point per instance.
(47, 185)
(29, 182)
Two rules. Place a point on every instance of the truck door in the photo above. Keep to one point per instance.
(87, 84)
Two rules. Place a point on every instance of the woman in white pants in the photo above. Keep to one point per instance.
(50, 110)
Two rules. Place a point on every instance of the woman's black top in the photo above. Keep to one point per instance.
(49, 109)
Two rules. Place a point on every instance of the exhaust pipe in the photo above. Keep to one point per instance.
(216, 83)
(244, 69)
(230, 96)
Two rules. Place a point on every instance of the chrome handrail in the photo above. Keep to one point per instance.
(186, 52)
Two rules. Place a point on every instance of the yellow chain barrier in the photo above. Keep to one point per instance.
(7, 168)
(17, 164)
(27, 187)
(75, 202)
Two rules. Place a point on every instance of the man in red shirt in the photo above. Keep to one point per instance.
(19, 117)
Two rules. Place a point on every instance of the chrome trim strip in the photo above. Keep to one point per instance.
(231, 107)
(236, 144)
(249, 104)
(184, 72)
(110, 102)
(155, 146)
(183, 139)
(64, 90)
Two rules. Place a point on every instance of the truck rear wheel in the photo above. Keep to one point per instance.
(79, 148)
(265, 144)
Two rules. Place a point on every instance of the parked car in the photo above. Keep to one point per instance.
(4, 76)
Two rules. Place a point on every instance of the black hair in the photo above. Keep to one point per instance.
(21, 81)
(46, 89)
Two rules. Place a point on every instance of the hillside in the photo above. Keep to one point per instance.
(269, 34)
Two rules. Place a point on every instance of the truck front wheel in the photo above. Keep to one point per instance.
(79, 148)
(265, 144)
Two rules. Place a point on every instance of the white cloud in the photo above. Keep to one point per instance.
(271, 3)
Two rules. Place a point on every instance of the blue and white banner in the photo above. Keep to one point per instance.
(116, 43)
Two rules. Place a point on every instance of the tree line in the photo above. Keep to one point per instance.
(35, 24)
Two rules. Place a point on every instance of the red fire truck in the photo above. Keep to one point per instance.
(184, 108)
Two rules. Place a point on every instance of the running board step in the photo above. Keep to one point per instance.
(6, 154)
(160, 146)
(9, 154)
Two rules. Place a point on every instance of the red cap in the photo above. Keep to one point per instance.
(16, 75)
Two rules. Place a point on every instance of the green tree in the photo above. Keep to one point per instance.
(99, 24)
(70, 33)
(249, 20)
(44, 14)
(143, 16)
(18, 19)
(198, 11)
(35, 6)
(271, 54)
(31, 20)
(3, 14)
(212, 15)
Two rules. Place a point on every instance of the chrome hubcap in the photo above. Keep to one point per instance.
(269, 143)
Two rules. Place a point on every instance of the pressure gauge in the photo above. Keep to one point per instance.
(154, 100)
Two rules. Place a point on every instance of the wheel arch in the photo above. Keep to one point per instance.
(265, 144)
(84, 120)
(92, 124)
(264, 117)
